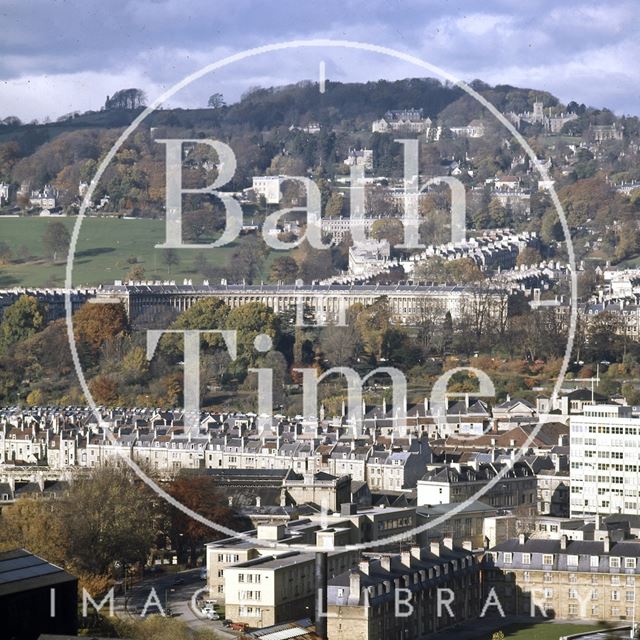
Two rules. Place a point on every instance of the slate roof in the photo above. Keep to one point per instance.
(23, 571)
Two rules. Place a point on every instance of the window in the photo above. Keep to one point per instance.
(527, 576)
(629, 563)
(615, 595)
(615, 580)
(594, 561)
(548, 577)
(573, 578)
(629, 596)
(614, 562)
(573, 594)
(508, 557)
(547, 559)
(573, 609)
(594, 594)
(526, 558)
(572, 561)
(548, 593)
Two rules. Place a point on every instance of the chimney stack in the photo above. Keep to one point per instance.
(434, 547)
(563, 542)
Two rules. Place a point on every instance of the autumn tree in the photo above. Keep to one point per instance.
(34, 525)
(5, 253)
(372, 323)
(200, 495)
(389, 229)
(109, 516)
(94, 324)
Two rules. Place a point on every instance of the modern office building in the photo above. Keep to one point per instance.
(605, 459)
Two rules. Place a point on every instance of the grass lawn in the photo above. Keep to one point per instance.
(101, 254)
(545, 631)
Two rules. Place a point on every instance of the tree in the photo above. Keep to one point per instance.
(200, 495)
(284, 269)
(529, 256)
(109, 516)
(5, 253)
(372, 323)
(389, 229)
(339, 344)
(136, 273)
(250, 320)
(94, 324)
(216, 101)
(126, 99)
(56, 239)
(170, 258)
(34, 525)
(248, 259)
(24, 318)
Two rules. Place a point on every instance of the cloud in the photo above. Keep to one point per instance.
(57, 57)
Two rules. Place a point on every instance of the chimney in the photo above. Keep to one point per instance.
(607, 543)
(258, 501)
(230, 501)
(363, 565)
(522, 538)
(447, 543)
(563, 542)
(385, 563)
(434, 547)
(405, 558)
(467, 545)
(354, 585)
(415, 552)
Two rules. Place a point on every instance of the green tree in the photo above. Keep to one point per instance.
(250, 320)
(24, 318)
(56, 239)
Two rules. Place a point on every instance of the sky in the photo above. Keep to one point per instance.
(59, 56)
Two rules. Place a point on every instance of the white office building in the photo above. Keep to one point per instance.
(605, 458)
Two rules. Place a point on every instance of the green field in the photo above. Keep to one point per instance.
(104, 246)
(546, 631)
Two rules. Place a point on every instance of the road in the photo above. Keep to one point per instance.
(172, 597)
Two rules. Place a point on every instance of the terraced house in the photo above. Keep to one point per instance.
(581, 579)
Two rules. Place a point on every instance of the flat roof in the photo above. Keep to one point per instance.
(23, 571)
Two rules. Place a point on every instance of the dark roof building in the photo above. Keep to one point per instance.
(35, 597)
